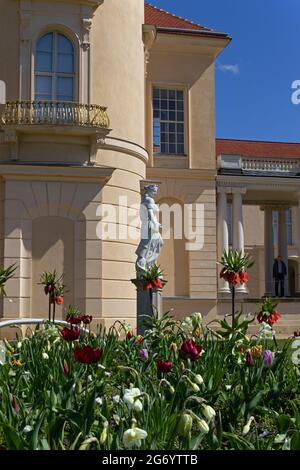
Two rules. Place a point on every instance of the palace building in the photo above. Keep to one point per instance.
(103, 96)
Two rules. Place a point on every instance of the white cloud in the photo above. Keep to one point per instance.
(233, 68)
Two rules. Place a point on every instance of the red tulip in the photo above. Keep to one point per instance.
(15, 404)
(157, 284)
(164, 366)
(73, 320)
(87, 354)
(269, 318)
(249, 359)
(70, 334)
(66, 368)
(190, 350)
(59, 300)
(244, 277)
(130, 334)
(147, 285)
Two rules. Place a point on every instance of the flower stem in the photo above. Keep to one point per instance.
(233, 303)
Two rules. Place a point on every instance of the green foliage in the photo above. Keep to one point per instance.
(5, 275)
(234, 261)
(50, 401)
(152, 273)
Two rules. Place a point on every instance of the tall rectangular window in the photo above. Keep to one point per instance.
(168, 121)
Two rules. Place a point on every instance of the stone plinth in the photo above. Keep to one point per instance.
(149, 302)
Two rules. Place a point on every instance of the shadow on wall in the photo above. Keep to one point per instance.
(174, 259)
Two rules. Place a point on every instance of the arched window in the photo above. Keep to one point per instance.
(54, 68)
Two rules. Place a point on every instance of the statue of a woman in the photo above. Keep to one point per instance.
(151, 241)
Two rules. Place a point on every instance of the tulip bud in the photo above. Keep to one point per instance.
(195, 387)
(45, 356)
(15, 404)
(198, 379)
(246, 428)
(203, 426)
(185, 425)
(208, 412)
(103, 435)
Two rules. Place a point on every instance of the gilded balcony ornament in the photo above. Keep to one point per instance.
(55, 113)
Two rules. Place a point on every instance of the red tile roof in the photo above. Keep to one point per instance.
(164, 19)
(253, 148)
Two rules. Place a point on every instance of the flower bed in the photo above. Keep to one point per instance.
(181, 386)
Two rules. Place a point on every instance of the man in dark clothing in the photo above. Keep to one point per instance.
(279, 273)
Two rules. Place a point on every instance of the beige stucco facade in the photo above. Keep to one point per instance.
(59, 171)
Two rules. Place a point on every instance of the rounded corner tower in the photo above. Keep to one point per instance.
(72, 153)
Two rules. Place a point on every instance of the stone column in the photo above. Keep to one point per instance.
(223, 241)
(282, 244)
(269, 251)
(238, 242)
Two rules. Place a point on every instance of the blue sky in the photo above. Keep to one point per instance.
(255, 73)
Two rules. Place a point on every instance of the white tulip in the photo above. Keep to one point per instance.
(203, 426)
(133, 437)
(45, 356)
(246, 428)
(208, 412)
(131, 398)
(27, 428)
(198, 379)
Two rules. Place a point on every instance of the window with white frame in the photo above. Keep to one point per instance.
(54, 68)
(168, 121)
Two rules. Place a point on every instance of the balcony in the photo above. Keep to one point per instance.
(55, 113)
(258, 166)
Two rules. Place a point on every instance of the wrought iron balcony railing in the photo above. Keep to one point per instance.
(55, 113)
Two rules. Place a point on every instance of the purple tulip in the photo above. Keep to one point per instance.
(144, 356)
(249, 359)
(268, 358)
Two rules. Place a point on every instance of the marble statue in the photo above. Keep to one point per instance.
(151, 241)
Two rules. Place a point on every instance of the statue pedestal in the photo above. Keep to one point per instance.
(149, 302)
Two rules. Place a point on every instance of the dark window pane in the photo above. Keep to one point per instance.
(172, 138)
(156, 93)
(180, 105)
(65, 63)
(43, 62)
(164, 127)
(164, 137)
(64, 45)
(180, 138)
(180, 116)
(41, 97)
(172, 105)
(172, 148)
(45, 44)
(156, 104)
(172, 94)
(164, 104)
(179, 95)
(172, 116)
(164, 148)
(156, 114)
(164, 94)
(180, 127)
(43, 85)
(64, 88)
(180, 149)
(164, 115)
(172, 127)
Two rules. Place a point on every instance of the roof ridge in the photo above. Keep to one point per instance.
(178, 17)
(258, 141)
